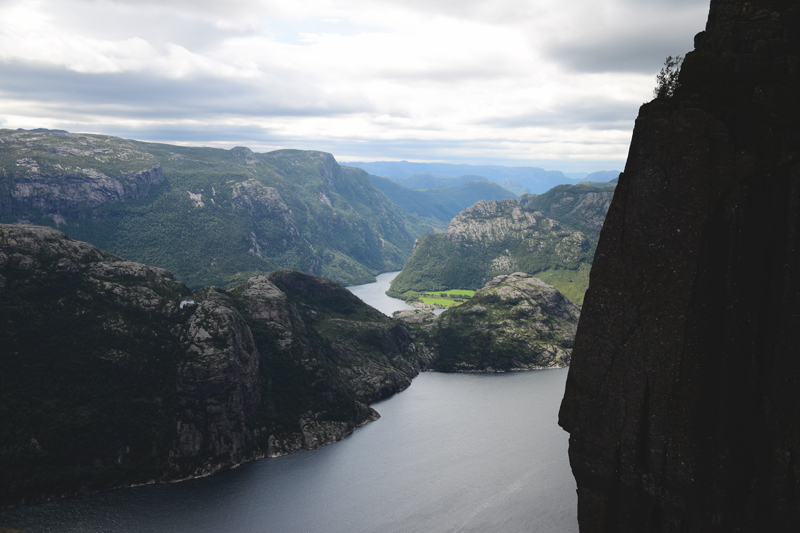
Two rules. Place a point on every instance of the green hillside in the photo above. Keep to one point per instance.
(439, 205)
(552, 236)
(210, 216)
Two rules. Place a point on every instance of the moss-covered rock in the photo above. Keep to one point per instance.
(516, 322)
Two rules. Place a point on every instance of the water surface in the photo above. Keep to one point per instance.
(452, 453)
(375, 294)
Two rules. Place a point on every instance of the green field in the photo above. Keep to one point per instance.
(446, 298)
(443, 302)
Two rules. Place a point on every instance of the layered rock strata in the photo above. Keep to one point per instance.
(682, 398)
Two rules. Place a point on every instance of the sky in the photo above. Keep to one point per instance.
(550, 83)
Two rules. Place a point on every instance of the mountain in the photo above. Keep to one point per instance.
(426, 180)
(210, 216)
(602, 176)
(510, 184)
(682, 397)
(552, 236)
(537, 180)
(583, 206)
(114, 373)
(515, 322)
(439, 205)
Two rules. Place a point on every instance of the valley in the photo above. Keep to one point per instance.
(210, 216)
(209, 322)
(552, 236)
(201, 338)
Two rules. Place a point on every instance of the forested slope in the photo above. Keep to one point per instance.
(210, 216)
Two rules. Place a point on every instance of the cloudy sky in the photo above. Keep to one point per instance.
(552, 83)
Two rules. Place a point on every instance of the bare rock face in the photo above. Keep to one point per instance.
(573, 204)
(251, 195)
(218, 386)
(51, 172)
(497, 220)
(682, 399)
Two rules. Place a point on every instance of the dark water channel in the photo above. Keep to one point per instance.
(454, 452)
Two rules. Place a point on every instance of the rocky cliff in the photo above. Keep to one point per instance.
(210, 216)
(552, 236)
(515, 322)
(47, 173)
(682, 398)
(113, 373)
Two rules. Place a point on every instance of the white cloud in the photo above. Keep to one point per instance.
(452, 79)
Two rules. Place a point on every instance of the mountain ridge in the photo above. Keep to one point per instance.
(211, 216)
(551, 236)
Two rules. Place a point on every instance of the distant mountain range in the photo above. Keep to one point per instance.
(210, 216)
(536, 180)
(440, 204)
(552, 236)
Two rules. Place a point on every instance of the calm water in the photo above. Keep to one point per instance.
(375, 294)
(454, 452)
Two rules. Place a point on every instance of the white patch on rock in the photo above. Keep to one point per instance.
(197, 199)
(28, 163)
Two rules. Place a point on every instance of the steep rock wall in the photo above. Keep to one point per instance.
(682, 400)
(114, 373)
(46, 173)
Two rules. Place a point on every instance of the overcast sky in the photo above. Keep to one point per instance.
(552, 83)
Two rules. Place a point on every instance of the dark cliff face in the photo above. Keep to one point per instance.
(113, 373)
(682, 401)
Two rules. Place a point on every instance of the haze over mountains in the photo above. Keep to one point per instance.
(536, 180)
(178, 383)
(214, 216)
(440, 204)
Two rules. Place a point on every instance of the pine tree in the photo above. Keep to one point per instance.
(667, 79)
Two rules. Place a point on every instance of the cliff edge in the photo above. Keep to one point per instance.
(682, 402)
(113, 373)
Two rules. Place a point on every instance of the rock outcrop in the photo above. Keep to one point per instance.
(682, 398)
(113, 373)
(46, 173)
(210, 216)
(516, 322)
(583, 206)
(552, 236)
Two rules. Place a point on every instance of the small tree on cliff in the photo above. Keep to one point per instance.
(667, 79)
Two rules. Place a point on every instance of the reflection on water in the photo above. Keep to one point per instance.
(454, 452)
